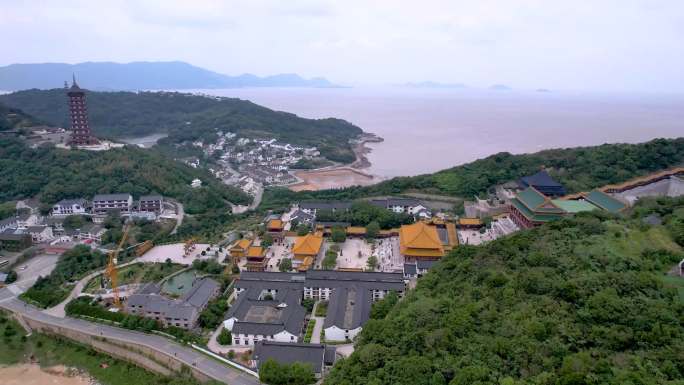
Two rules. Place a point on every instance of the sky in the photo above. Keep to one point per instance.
(598, 45)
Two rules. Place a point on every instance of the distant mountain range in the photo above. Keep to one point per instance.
(139, 76)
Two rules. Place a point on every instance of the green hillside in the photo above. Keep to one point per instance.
(578, 301)
(579, 169)
(187, 117)
(53, 174)
(11, 118)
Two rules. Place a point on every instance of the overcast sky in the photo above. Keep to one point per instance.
(608, 45)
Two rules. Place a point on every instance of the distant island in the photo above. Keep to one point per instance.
(431, 84)
(500, 87)
(139, 76)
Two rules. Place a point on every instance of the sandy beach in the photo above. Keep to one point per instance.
(32, 374)
(334, 177)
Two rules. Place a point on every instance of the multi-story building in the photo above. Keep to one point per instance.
(151, 203)
(104, 203)
(183, 313)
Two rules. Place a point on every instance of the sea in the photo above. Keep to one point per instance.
(429, 129)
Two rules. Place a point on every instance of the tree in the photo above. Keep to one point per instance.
(338, 234)
(168, 263)
(297, 373)
(266, 240)
(302, 230)
(235, 269)
(330, 260)
(285, 265)
(74, 222)
(372, 262)
(11, 277)
(225, 337)
(372, 230)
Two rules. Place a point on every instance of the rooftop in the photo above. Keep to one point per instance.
(288, 353)
(309, 244)
(420, 239)
(111, 197)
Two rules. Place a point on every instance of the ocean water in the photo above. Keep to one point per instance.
(426, 130)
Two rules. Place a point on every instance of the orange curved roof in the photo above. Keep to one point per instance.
(420, 239)
(309, 244)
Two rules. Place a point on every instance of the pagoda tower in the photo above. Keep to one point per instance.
(78, 111)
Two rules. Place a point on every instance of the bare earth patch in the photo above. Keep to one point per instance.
(31, 374)
(331, 179)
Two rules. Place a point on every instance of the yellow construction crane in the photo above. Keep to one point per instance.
(111, 268)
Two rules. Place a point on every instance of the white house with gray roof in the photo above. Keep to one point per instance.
(69, 207)
(103, 203)
(260, 314)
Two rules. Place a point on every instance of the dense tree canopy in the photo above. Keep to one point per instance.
(187, 117)
(577, 301)
(53, 174)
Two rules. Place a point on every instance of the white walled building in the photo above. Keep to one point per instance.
(104, 203)
(69, 207)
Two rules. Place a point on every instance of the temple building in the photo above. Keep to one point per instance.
(239, 249)
(78, 111)
(256, 259)
(420, 241)
(305, 250)
(543, 183)
(531, 208)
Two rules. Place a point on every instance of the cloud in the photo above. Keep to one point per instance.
(583, 44)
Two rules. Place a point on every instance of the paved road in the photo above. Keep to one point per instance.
(58, 310)
(187, 356)
(180, 214)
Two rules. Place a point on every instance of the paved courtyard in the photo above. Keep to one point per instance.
(354, 254)
(388, 254)
(159, 254)
(278, 251)
(473, 237)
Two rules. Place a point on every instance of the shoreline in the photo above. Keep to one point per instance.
(342, 175)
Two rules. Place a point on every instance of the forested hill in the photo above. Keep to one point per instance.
(52, 174)
(11, 118)
(189, 117)
(577, 301)
(579, 169)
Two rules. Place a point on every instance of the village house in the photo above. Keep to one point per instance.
(313, 207)
(104, 203)
(91, 231)
(151, 203)
(8, 223)
(69, 207)
(11, 241)
(40, 233)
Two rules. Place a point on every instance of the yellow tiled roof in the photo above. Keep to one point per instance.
(255, 251)
(275, 224)
(242, 244)
(470, 221)
(356, 230)
(420, 239)
(309, 244)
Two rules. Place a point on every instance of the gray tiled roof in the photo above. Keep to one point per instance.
(151, 198)
(339, 205)
(269, 317)
(425, 264)
(348, 308)
(410, 269)
(288, 353)
(389, 202)
(201, 293)
(69, 202)
(8, 221)
(111, 197)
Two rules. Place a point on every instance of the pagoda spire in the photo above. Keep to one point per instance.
(73, 81)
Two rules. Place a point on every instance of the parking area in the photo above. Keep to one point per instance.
(39, 266)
